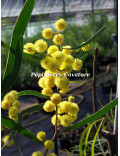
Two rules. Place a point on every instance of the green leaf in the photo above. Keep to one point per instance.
(14, 60)
(10, 77)
(32, 109)
(33, 57)
(11, 136)
(87, 136)
(93, 144)
(93, 38)
(84, 57)
(95, 116)
(18, 149)
(3, 44)
(16, 127)
(81, 140)
(32, 92)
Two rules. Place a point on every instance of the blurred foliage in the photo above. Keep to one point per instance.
(74, 36)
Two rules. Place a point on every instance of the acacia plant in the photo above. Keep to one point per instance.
(58, 61)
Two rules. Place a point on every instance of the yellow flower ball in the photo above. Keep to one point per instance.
(53, 66)
(53, 120)
(15, 94)
(48, 144)
(10, 97)
(41, 82)
(51, 154)
(47, 33)
(77, 65)
(49, 82)
(66, 67)
(13, 117)
(47, 91)
(62, 82)
(49, 106)
(58, 39)
(29, 48)
(66, 120)
(5, 139)
(71, 99)
(73, 109)
(86, 48)
(37, 153)
(64, 90)
(60, 24)
(73, 117)
(63, 107)
(52, 49)
(16, 103)
(58, 56)
(68, 59)
(13, 111)
(67, 50)
(5, 104)
(45, 61)
(41, 135)
(40, 46)
(56, 98)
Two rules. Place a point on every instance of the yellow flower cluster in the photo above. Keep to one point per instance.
(41, 135)
(48, 144)
(11, 104)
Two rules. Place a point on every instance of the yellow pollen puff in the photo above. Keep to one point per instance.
(66, 51)
(47, 91)
(49, 82)
(73, 109)
(13, 117)
(49, 106)
(29, 48)
(41, 82)
(53, 120)
(66, 67)
(58, 56)
(77, 65)
(56, 98)
(71, 99)
(58, 39)
(53, 65)
(15, 94)
(37, 153)
(86, 48)
(47, 33)
(48, 144)
(40, 46)
(73, 117)
(5, 104)
(63, 107)
(66, 120)
(64, 90)
(52, 49)
(68, 59)
(9, 96)
(41, 135)
(62, 82)
(60, 24)
(45, 61)
(13, 111)
(16, 103)
(5, 139)
(51, 154)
